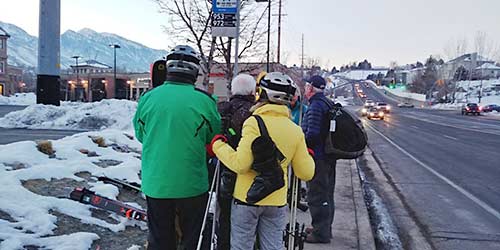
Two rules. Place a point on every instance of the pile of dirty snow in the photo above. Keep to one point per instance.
(109, 113)
(22, 99)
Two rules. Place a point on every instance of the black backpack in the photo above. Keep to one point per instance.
(349, 139)
(267, 163)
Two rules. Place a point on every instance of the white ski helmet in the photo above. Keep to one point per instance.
(278, 88)
(184, 61)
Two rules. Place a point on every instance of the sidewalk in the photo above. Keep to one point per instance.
(351, 225)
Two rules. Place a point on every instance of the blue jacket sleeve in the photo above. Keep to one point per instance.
(312, 125)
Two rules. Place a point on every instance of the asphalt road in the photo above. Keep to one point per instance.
(15, 135)
(446, 168)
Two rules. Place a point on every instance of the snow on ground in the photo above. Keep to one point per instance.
(344, 101)
(405, 94)
(32, 220)
(360, 74)
(18, 99)
(490, 94)
(109, 113)
(447, 106)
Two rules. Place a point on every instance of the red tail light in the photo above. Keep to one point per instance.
(467, 108)
(480, 108)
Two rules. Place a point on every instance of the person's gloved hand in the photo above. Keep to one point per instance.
(209, 147)
(311, 152)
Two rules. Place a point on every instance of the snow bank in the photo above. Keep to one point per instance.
(360, 74)
(344, 101)
(18, 99)
(32, 222)
(112, 113)
(405, 94)
(447, 106)
(493, 113)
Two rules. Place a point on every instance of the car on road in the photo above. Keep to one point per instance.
(369, 103)
(490, 108)
(384, 107)
(375, 113)
(471, 108)
(406, 105)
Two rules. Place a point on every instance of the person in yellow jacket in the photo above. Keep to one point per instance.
(267, 217)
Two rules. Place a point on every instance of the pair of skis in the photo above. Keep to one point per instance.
(86, 196)
(89, 197)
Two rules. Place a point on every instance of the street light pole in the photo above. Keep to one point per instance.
(114, 46)
(77, 76)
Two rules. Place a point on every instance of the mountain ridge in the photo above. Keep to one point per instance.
(87, 43)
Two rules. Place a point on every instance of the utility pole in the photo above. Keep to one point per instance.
(302, 58)
(279, 33)
(268, 33)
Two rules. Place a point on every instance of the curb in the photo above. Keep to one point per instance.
(378, 185)
(366, 239)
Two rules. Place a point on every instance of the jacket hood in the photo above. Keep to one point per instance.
(273, 110)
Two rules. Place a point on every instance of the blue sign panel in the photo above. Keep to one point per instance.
(225, 6)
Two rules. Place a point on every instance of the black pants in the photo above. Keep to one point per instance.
(161, 222)
(224, 224)
(320, 197)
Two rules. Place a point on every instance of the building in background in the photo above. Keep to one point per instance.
(96, 82)
(11, 77)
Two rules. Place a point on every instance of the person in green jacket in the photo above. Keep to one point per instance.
(174, 122)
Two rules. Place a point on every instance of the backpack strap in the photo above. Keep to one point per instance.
(263, 132)
(332, 109)
(262, 126)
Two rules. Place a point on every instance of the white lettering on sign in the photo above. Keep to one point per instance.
(226, 4)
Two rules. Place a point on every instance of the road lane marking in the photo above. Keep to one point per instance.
(450, 137)
(415, 127)
(452, 126)
(476, 200)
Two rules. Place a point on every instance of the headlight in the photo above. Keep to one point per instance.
(372, 114)
(388, 107)
(381, 113)
(364, 110)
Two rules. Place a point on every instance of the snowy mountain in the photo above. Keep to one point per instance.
(89, 44)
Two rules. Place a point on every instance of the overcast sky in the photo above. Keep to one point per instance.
(336, 31)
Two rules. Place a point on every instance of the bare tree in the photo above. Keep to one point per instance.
(455, 48)
(190, 22)
(452, 50)
(486, 49)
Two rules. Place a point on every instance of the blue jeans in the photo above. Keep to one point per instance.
(268, 221)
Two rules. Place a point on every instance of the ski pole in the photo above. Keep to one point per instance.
(295, 185)
(217, 184)
(200, 239)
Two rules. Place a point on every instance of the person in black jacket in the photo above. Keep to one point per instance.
(316, 127)
(234, 113)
